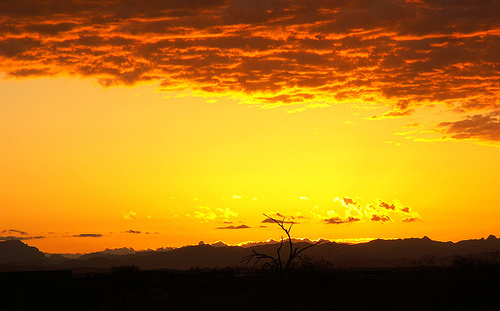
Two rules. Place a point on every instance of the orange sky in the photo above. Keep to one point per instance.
(150, 124)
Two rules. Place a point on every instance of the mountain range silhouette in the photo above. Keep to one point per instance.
(18, 256)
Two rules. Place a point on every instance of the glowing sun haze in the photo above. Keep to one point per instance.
(146, 124)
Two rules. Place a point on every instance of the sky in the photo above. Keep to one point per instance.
(162, 123)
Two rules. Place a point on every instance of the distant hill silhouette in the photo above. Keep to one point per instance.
(376, 253)
(15, 251)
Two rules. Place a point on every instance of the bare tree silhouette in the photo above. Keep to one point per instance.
(278, 262)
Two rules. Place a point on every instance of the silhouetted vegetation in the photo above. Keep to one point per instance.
(471, 282)
(315, 286)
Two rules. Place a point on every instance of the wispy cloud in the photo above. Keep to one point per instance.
(21, 238)
(411, 219)
(87, 235)
(234, 227)
(383, 218)
(13, 231)
(337, 220)
(394, 114)
(15, 234)
(270, 221)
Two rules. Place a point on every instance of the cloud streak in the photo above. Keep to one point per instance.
(87, 235)
(399, 53)
(338, 220)
(133, 232)
(23, 238)
(19, 235)
(13, 231)
(234, 227)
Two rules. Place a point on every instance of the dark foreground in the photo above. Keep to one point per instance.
(127, 288)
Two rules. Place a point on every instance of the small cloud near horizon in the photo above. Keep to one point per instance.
(338, 220)
(11, 238)
(133, 231)
(87, 235)
(235, 227)
(14, 231)
(270, 221)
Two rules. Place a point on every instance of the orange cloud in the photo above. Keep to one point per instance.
(353, 211)
(401, 53)
(383, 218)
(338, 220)
(481, 127)
(386, 205)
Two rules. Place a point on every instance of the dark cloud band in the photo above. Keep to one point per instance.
(401, 53)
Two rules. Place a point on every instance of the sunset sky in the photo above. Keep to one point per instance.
(162, 123)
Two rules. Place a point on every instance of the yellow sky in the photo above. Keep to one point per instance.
(81, 159)
(146, 124)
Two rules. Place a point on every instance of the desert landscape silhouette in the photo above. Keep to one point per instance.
(410, 274)
(249, 154)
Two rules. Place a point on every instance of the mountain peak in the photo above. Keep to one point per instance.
(491, 237)
(13, 242)
(18, 251)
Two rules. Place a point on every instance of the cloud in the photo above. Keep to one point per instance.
(14, 231)
(411, 219)
(483, 127)
(226, 213)
(130, 215)
(133, 231)
(394, 114)
(270, 221)
(18, 235)
(88, 235)
(398, 53)
(205, 213)
(381, 218)
(353, 211)
(9, 238)
(346, 201)
(235, 227)
(386, 205)
(299, 215)
(405, 209)
(338, 220)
